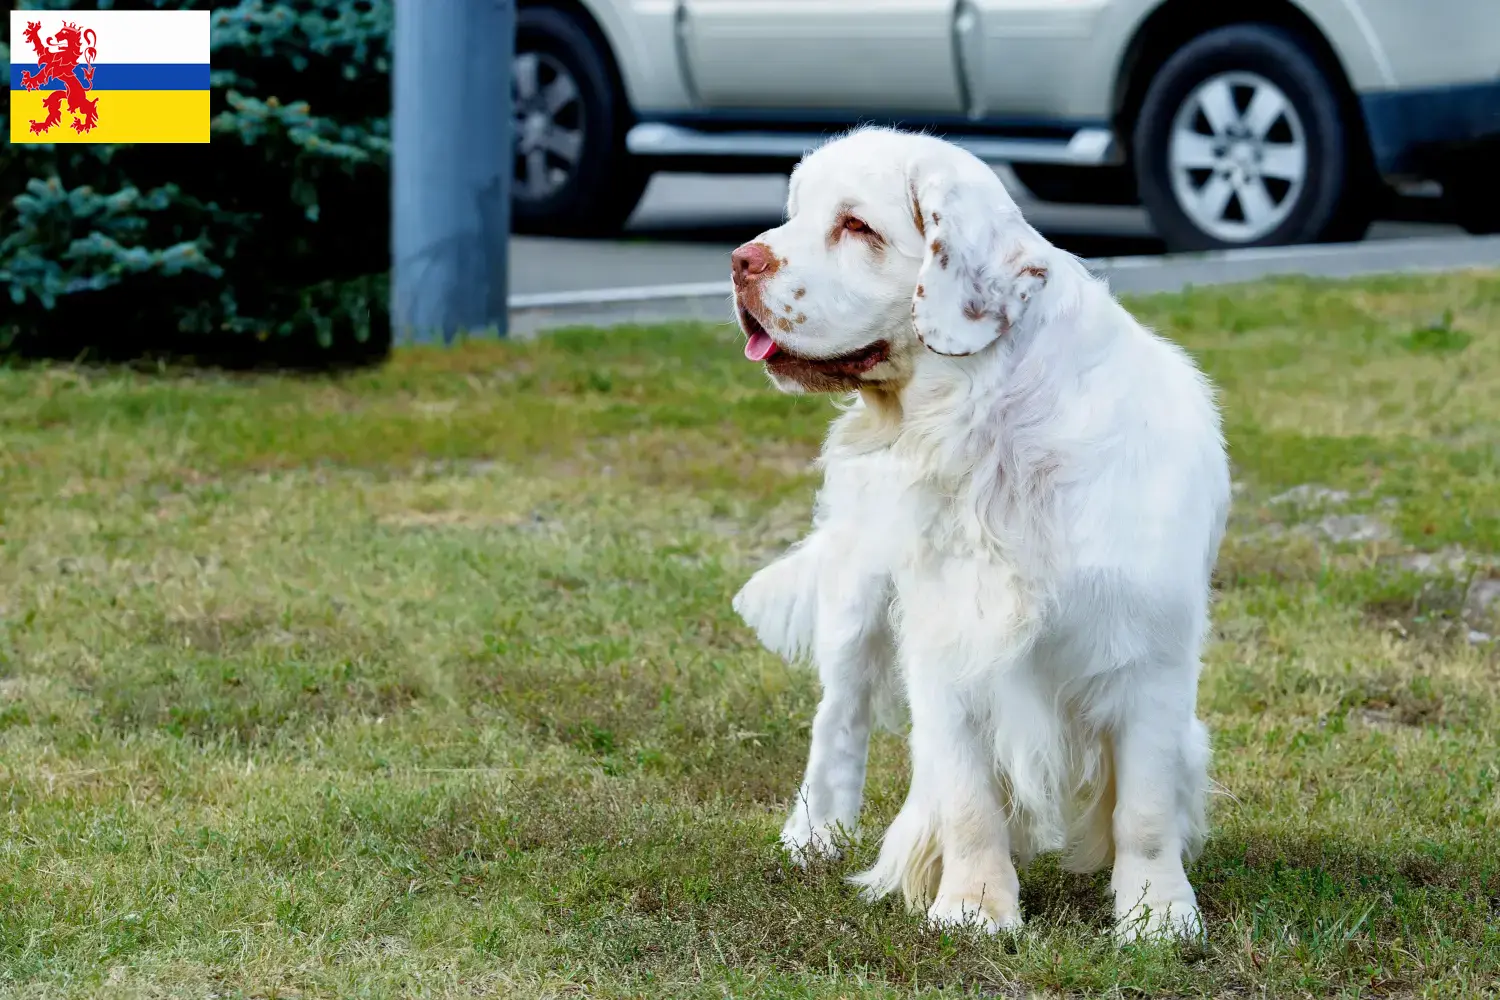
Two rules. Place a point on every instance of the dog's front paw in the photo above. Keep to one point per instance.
(806, 841)
(1153, 898)
(991, 914)
(1174, 917)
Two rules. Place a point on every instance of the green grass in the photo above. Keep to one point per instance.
(424, 682)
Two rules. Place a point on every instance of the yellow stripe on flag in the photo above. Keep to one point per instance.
(124, 116)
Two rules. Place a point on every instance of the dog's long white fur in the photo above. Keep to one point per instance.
(1013, 541)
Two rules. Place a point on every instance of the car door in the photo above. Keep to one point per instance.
(1437, 43)
(1043, 60)
(859, 57)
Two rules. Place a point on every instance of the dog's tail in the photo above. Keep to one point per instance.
(910, 860)
(780, 603)
(1091, 839)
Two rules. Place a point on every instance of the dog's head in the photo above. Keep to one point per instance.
(895, 245)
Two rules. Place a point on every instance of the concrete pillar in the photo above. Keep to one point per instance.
(451, 167)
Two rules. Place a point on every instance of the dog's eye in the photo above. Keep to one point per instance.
(853, 225)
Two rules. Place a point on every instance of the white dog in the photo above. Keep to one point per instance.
(1021, 509)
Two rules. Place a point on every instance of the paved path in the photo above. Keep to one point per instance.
(687, 224)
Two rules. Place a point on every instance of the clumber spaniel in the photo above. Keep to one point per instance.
(1022, 504)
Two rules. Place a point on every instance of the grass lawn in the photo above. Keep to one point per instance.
(424, 681)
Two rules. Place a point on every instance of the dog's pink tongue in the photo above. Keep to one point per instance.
(759, 347)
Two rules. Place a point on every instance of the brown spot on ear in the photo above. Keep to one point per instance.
(787, 307)
(921, 292)
(936, 217)
(800, 292)
(940, 251)
(916, 212)
(974, 310)
(783, 324)
(802, 318)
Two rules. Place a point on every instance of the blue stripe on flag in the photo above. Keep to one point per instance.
(128, 76)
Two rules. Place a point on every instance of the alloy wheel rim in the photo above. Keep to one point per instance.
(1237, 156)
(549, 125)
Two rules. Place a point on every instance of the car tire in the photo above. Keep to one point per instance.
(1242, 140)
(573, 175)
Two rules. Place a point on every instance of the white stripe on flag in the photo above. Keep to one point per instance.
(124, 36)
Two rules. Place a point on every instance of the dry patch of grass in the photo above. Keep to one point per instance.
(423, 681)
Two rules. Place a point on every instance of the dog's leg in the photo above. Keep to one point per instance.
(852, 649)
(816, 601)
(948, 849)
(978, 882)
(1161, 761)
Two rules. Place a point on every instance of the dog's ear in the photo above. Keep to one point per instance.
(982, 267)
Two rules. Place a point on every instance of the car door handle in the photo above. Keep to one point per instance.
(967, 57)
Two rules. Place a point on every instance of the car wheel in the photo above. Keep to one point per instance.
(1241, 141)
(572, 172)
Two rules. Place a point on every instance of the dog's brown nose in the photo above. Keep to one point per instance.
(750, 261)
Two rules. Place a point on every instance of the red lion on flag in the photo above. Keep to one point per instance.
(56, 57)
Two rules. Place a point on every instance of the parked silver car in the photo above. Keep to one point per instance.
(1255, 123)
